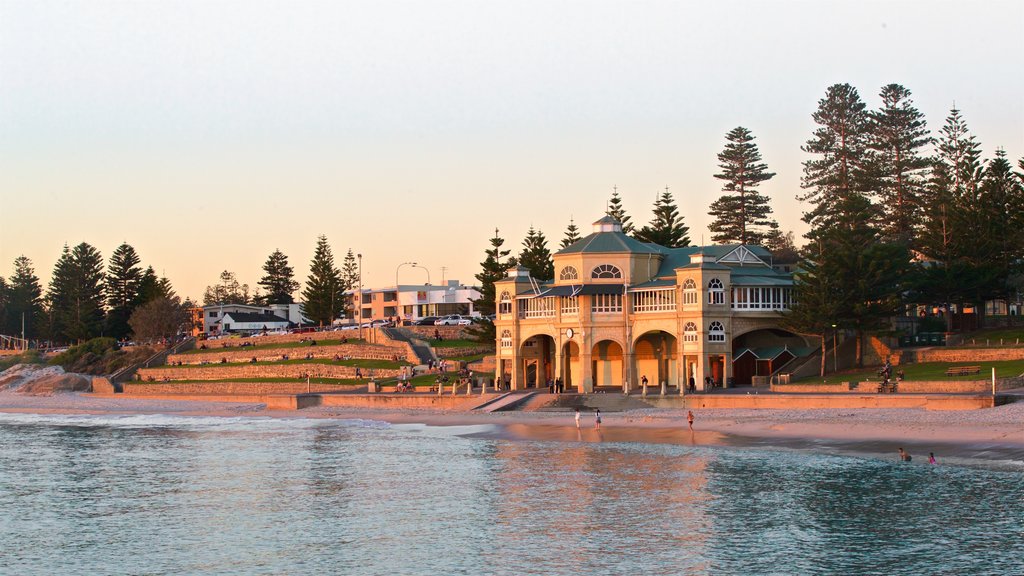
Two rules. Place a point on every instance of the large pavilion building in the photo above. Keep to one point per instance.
(620, 309)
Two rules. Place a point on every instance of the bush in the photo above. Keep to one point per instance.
(27, 357)
(98, 356)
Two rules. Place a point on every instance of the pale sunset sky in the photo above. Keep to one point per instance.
(208, 133)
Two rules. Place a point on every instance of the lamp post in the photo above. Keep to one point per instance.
(424, 268)
(399, 267)
(359, 301)
(835, 352)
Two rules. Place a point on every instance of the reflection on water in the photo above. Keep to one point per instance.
(164, 495)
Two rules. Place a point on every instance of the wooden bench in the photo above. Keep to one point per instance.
(962, 370)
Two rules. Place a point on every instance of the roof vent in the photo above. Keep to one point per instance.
(607, 224)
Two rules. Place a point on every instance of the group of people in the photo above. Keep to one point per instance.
(556, 386)
(906, 457)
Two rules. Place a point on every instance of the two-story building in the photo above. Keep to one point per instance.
(620, 309)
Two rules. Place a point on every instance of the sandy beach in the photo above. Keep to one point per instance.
(991, 434)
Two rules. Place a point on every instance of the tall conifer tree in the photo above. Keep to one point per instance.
(572, 234)
(494, 267)
(742, 214)
(323, 297)
(841, 165)
(24, 301)
(278, 280)
(615, 210)
(666, 228)
(76, 294)
(536, 257)
(899, 135)
(349, 279)
(124, 278)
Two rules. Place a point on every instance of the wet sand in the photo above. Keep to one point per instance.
(995, 434)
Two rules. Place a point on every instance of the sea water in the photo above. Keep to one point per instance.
(179, 495)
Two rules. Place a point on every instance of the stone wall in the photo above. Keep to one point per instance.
(232, 388)
(814, 401)
(968, 356)
(296, 371)
(427, 332)
(361, 351)
(466, 351)
(905, 387)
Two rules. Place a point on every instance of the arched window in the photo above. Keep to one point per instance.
(689, 292)
(568, 273)
(716, 292)
(690, 332)
(505, 303)
(716, 332)
(506, 338)
(606, 271)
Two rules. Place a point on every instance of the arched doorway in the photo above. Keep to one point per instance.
(606, 364)
(655, 355)
(757, 355)
(572, 370)
(537, 356)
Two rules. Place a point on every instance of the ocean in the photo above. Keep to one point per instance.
(152, 494)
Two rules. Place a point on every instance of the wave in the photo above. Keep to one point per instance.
(194, 423)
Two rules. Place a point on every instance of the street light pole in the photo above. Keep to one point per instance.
(415, 265)
(835, 350)
(399, 267)
(359, 302)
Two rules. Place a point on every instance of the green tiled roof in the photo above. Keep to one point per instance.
(605, 242)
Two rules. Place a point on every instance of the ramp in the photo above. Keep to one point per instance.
(507, 401)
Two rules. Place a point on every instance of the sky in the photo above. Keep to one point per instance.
(207, 134)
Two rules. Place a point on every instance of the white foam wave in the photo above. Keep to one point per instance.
(196, 423)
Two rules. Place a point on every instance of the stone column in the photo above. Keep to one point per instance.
(586, 383)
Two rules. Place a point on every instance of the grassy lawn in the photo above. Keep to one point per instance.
(260, 380)
(454, 343)
(355, 362)
(928, 371)
(471, 358)
(1007, 335)
(215, 345)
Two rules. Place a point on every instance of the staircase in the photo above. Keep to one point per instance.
(423, 352)
(125, 374)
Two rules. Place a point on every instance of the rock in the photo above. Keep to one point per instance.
(20, 374)
(49, 385)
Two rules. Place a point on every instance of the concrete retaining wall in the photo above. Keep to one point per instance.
(909, 387)
(232, 388)
(967, 356)
(362, 351)
(296, 371)
(813, 401)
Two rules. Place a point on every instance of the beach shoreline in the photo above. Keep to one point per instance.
(990, 434)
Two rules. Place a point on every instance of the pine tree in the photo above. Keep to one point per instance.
(781, 246)
(228, 291)
(323, 297)
(494, 267)
(5, 300)
(899, 134)
(666, 228)
(24, 300)
(572, 234)
(278, 282)
(615, 210)
(742, 214)
(124, 278)
(149, 286)
(998, 237)
(816, 298)
(536, 257)
(165, 289)
(349, 282)
(76, 294)
(842, 165)
(951, 211)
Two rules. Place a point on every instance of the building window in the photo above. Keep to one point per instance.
(506, 339)
(539, 307)
(689, 292)
(606, 271)
(654, 301)
(690, 332)
(212, 313)
(716, 332)
(761, 298)
(716, 292)
(505, 303)
(568, 273)
(607, 303)
(570, 305)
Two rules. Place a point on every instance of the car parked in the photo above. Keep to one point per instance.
(453, 320)
(426, 321)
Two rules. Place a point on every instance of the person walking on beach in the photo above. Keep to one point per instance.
(904, 457)
(577, 418)
(597, 419)
(931, 458)
(689, 419)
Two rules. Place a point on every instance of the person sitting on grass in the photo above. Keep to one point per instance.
(253, 361)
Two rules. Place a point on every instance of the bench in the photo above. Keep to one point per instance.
(962, 370)
(888, 386)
